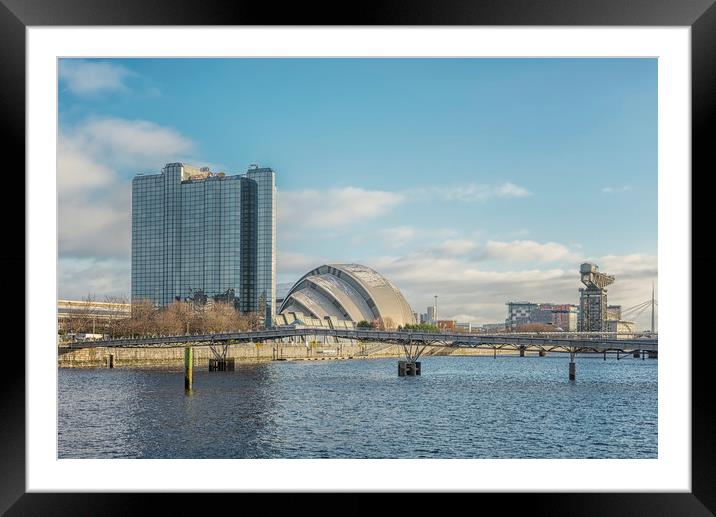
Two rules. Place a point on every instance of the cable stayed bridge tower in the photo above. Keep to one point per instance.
(593, 299)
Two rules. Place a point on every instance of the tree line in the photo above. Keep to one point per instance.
(146, 320)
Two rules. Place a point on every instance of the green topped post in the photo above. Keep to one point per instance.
(188, 368)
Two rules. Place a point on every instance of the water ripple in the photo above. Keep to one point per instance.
(462, 407)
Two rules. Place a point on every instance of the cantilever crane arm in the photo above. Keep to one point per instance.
(597, 280)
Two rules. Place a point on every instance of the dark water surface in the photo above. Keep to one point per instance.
(461, 407)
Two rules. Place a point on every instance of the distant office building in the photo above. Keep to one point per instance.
(424, 318)
(431, 315)
(543, 314)
(416, 316)
(493, 327)
(446, 324)
(196, 233)
(463, 327)
(519, 313)
(560, 316)
(565, 317)
(614, 312)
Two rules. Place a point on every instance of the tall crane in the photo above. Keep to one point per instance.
(593, 299)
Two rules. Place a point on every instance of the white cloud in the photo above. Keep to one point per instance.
(470, 192)
(630, 264)
(89, 228)
(94, 162)
(527, 251)
(471, 292)
(79, 277)
(457, 246)
(616, 190)
(291, 264)
(398, 236)
(76, 170)
(133, 144)
(334, 207)
(83, 77)
(511, 190)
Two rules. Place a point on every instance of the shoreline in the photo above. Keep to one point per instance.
(248, 354)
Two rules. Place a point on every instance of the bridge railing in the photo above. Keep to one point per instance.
(387, 336)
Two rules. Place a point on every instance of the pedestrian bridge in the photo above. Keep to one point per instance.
(413, 344)
(548, 342)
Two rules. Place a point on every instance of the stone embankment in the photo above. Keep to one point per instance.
(100, 356)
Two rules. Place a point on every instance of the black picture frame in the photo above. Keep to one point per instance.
(16, 15)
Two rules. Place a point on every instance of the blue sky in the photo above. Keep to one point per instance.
(482, 179)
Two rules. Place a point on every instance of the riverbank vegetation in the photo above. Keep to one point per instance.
(146, 320)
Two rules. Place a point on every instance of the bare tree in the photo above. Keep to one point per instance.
(535, 327)
(142, 318)
(116, 320)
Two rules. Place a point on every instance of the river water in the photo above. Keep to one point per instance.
(461, 407)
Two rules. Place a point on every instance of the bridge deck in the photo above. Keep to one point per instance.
(551, 342)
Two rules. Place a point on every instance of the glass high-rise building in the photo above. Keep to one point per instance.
(200, 232)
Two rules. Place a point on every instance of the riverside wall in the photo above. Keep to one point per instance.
(99, 357)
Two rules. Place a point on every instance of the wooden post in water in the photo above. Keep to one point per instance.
(188, 368)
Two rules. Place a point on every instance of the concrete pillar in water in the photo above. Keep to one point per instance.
(542, 353)
(522, 351)
(636, 354)
(188, 368)
(572, 370)
(110, 361)
(494, 353)
(605, 355)
(409, 369)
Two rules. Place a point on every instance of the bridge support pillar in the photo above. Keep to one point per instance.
(653, 354)
(494, 353)
(188, 368)
(542, 353)
(572, 370)
(221, 365)
(636, 354)
(407, 368)
(605, 355)
(522, 351)
(110, 361)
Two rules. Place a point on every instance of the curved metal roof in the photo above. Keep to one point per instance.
(348, 291)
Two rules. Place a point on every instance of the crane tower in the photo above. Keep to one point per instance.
(593, 299)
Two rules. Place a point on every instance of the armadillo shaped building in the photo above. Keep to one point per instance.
(347, 293)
